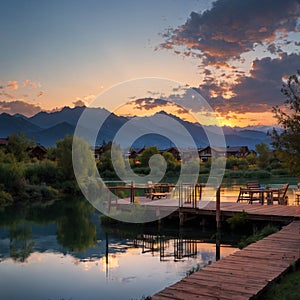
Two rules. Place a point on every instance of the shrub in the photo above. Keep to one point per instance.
(267, 230)
(280, 172)
(5, 198)
(43, 192)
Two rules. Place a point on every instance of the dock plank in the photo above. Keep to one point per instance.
(243, 274)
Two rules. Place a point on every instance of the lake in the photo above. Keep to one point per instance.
(60, 250)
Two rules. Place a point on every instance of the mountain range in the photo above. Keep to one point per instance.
(46, 128)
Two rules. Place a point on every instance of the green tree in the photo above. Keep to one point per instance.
(264, 155)
(251, 159)
(18, 145)
(286, 142)
(11, 178)
(146, 155)
(64, 157)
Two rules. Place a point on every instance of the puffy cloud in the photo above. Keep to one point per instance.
(83, 101)
(233, 27)
(148, 103)
(79, 103)
(260, 90)
(13, 85)
(31, 84)
(19, 106)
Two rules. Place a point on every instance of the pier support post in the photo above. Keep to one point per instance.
(218, 220)
(131, 192)
(181, 219)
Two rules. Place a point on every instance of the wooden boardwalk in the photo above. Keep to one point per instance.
(244, 274)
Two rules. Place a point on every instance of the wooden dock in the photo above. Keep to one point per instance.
(254, 211)
(243, 275)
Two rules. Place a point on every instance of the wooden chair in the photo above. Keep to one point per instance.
(280, 195)
(250, 196)
(297, 195)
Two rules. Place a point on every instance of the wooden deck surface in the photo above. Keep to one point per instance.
(244, 274)
(255, 211)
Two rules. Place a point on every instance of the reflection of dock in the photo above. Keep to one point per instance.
(168, 248)
(244, 274)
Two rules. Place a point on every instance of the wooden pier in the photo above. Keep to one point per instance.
(246, 274)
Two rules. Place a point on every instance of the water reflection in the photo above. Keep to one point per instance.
(61, 251)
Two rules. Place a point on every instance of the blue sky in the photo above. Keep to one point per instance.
(56, 53)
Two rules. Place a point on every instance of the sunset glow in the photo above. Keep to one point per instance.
(238, 66)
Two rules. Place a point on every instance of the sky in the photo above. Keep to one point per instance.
(236, 54)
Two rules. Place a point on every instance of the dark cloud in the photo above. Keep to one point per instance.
(260, 90)
(148, 103)
(233, 27)
(18, 106)
(79, 103)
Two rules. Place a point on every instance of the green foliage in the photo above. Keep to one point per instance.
(142, 170)
(251, 159)
(40, 192)
(146, 154)
(64, 157)
(264, 155)
(267, 230)
(18, 145)
(11, 178)
(288, 288)
(105, 165)
(257, 174)
(234, 174)
(5, 198)
(280, 172)
(287, 142)
(231, 162)
(45, 172)
(238, 220)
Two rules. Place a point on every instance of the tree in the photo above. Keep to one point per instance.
(286, 142)
(146, 155)
(264, 155)
(64, 157)
(18, 145)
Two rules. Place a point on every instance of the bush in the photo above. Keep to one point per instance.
(11, 177)
(267, 230)
(280, 172)
(45, 172)
(257, 174)
(43, 192)
(238, 220)
(5, 198)
(234, 174)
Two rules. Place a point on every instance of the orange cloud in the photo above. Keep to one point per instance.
(13, 85)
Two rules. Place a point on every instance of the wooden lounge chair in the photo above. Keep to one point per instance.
(280, 195)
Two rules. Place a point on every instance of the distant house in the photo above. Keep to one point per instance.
(207, 152)
(38, 152)
(3, 142)
(237, 151)
(98, 150)
(135, 152)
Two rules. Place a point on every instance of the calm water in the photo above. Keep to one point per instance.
(61, 251)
